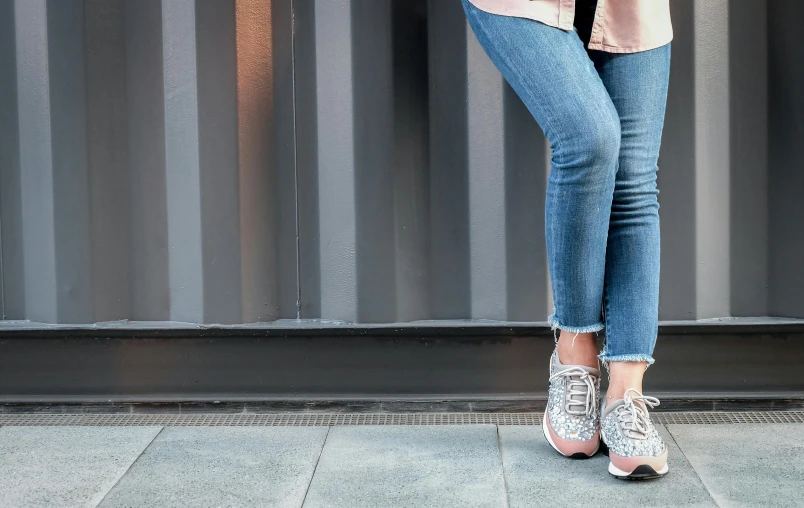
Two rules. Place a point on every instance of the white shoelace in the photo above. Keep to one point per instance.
(633, 417)
(583, 386)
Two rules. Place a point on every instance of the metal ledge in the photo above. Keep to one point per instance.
(329, 328)
(754, 362)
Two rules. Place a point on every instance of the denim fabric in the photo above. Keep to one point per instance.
(603, 115)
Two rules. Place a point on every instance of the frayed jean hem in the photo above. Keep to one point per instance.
(606, 359)
(554, 324)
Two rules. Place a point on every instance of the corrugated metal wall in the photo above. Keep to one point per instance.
(235, 161)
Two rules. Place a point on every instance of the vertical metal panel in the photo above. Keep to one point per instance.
(306, 122)
(70, 159)
(280, 115)
(218, 153)
(184, 207)
(150, 296)
(258, 215)
(748, 103)
(336, 159)
(526, 149)
(449, 182)
(786, 163)
(107, 154)
(11, 258)
(375, 248)
(36, 162)
(712, 197)
(411, 160)
(237, 161)
(2, 298)
(485, 119)
(676, 177)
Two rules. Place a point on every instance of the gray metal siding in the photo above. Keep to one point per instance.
(786, 162)
(237, 161)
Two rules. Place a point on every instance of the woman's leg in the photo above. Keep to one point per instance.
(553, 75)
(551, 72)
(637, 84)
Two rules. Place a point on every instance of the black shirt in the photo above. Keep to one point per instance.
(584, 18)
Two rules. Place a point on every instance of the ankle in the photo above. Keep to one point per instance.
(578, 349)
(624, 376)
(617, 392)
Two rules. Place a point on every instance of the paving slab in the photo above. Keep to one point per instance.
(421, 466)
(66, 466)
(746, 464)
(222, 466)
(536, 475)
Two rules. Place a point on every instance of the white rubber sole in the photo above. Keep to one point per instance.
(636, 474)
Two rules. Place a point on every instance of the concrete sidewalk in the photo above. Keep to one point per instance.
(379, 466)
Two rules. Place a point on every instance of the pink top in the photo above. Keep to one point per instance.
(620, 26)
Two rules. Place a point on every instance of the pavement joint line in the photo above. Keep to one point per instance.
(502, 466)
(315, 469)
(129, 467)
(684, 454)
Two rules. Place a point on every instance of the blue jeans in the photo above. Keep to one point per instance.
(603, 115)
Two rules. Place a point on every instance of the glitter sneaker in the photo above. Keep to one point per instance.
(635, 449)
(571, 422)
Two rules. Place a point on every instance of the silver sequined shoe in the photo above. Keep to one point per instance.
(636, 450)
(571, 422)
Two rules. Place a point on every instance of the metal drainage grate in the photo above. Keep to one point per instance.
(715, 418)
(271, 420)
(326, 420)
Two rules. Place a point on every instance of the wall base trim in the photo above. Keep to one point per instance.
(492, 367)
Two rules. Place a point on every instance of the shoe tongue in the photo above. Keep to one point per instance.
(557, 365)
(577, 400)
